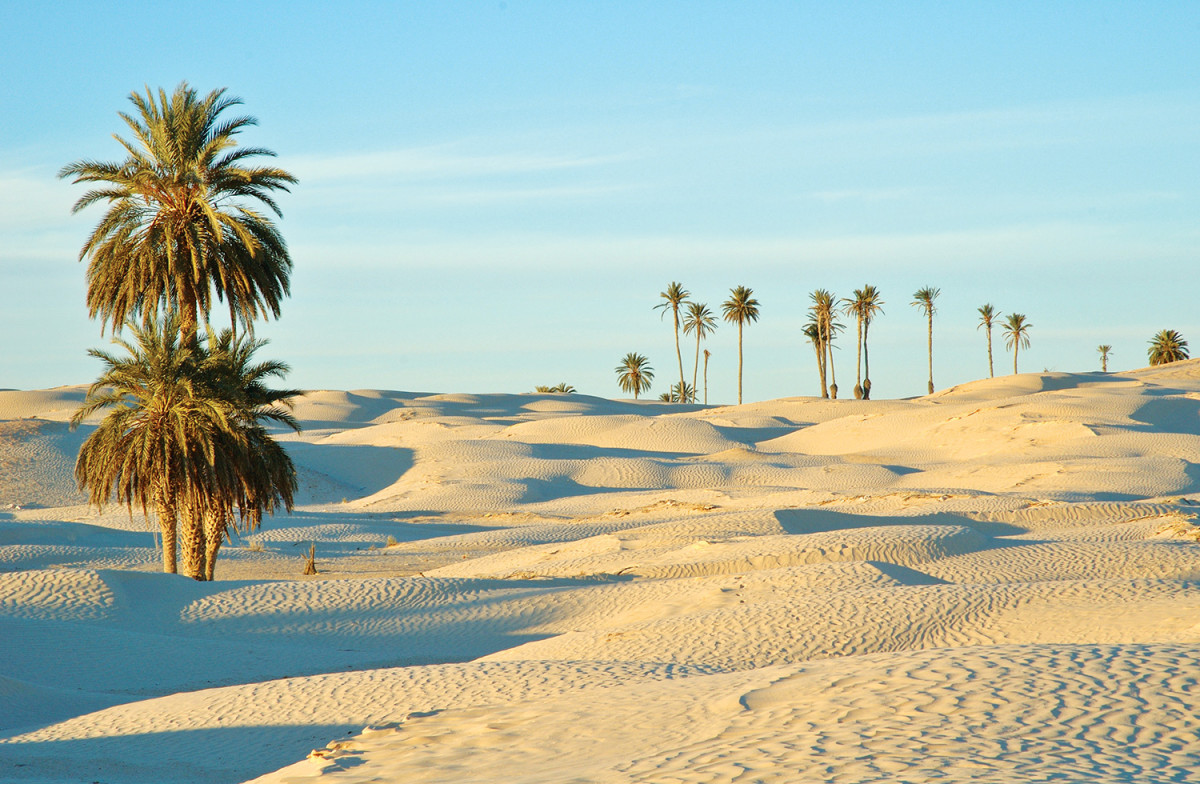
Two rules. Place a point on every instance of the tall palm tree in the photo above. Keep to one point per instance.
(1016, 334)
(1105, 350)
(634, 374)
(865, 304)
(987, 317)
(741, 308)
(923, 299)
(1167, 347)
(157, 444)
(700, 321)
(675, 296)
(707, 354)
(183, 222)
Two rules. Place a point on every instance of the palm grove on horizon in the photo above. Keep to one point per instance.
(635, 375)
(186, 410)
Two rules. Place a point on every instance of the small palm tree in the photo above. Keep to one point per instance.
(634, 374)
(1167, 347)
(675, 296)
(707, 354)
(864, 307)
(1105, 350)
(741, 308)
(183, 222)
(987, 317)
(923, 299)
(813, 331)
(700, 321)
(1016, 334)
(682, 394)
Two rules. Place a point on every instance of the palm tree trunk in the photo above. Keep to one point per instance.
(166, 525)
(931, 352)
(696, 365)
(1016, 347)
(991, 373)
(858, 361)
(678, 355)
(866, 363)
(832, 371)
(215, 530)
(739, 363)
(706, 378)
(193, 541)
(820, 349)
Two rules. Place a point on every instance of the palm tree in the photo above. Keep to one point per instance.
(156, 446)
(1167, 347)
(684, 393)
(824, 303)
(258, 474)
(812, 331)
(1105, 350)
(634, 374)
(923, 299)
(1016, 334)
(987, 317)
(183, 222)
(184, 434)
(865, 305)
(701, 322)
(707, 354)
(740, 308)
(675, 296)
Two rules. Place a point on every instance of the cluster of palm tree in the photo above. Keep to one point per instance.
(821, 330)
(186, 414)
(634, 373)
(561, 387)
(1014, 328)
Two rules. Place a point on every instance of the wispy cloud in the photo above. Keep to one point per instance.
(437, 162)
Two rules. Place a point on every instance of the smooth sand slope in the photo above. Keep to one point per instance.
(998, 582)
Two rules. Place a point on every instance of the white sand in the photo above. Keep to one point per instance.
(998, 582)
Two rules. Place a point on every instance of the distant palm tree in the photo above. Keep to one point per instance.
(684, 393)
(864, 306)
(987, 317)
(1105, 350)
(634, 374)
(923, 299)
(183, 223)
(701, 322)
(561, 387)
(707, 354)
(823, 304)
(1016, 334)
(740, 308)
(675, 296)
(812, 331)
(1167, 347)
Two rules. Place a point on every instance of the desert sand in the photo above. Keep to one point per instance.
(997, 582)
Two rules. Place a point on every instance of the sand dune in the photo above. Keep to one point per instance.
(998, 582)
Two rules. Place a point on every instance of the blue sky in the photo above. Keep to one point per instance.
(492, 195)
